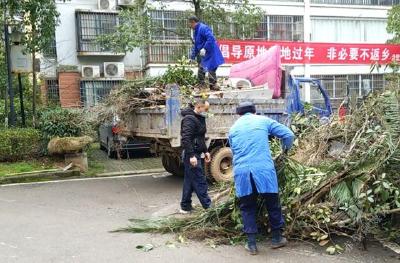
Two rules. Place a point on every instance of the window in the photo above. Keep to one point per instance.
(286, 28)
(91, 25)
(346, 30)
(359, 85)
(94, 91)
(170, 25)
(53, 95)
(276, 28)
(51, 50)
(357, 2)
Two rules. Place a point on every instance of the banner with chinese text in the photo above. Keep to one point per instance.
(235, 51)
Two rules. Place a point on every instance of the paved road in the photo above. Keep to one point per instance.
(145, 161)
(70, 222)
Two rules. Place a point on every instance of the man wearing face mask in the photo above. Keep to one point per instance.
(195, 153)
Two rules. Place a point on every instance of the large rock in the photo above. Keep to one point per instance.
(68, 145)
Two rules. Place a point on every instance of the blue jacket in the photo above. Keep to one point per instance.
(249, 142)
(204, 38)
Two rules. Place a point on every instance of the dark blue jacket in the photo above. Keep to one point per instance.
(204, 38)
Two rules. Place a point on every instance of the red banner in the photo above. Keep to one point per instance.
(312, 53)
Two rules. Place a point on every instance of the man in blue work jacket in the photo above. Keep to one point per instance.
(206, 51)
(254, 170)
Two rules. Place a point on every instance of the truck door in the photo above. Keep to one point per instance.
(319, 100)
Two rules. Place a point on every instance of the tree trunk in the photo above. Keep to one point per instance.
(21, 99)
(34, 87)
(197, 8)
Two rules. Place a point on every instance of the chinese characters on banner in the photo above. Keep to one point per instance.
(311, 53)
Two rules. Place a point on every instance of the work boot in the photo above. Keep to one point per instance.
(277, 239)
(251, 245)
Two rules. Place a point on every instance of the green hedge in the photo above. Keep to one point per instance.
(60, 122)
(19, 143)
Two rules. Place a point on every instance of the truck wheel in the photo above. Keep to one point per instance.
(221, 167)
(172, 165)
(207, 166)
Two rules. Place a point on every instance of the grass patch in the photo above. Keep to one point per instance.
(7, 169)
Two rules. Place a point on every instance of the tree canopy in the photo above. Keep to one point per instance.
(393, 25)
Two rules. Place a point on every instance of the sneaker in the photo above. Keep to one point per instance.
(252, 249)
(184, 212)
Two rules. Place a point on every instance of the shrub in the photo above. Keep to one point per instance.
(19, 143)
(60, 122)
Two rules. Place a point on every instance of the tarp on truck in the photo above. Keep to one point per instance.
(261, 70)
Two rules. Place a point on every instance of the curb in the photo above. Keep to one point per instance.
(39, 176)
(147, 171)
(59, 174)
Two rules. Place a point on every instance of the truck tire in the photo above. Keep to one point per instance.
(207, 166)
(221, 167)
(172, 165)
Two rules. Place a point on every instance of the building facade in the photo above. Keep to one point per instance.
(79, 72)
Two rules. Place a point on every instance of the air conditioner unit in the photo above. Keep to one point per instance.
(114, 70)
(126, 2)
(90, 71)
(107, 4)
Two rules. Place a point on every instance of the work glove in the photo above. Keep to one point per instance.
(202, 52)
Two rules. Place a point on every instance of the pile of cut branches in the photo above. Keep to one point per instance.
(147, 92)
(347, 183)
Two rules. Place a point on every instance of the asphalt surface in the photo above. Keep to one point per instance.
(70, 221)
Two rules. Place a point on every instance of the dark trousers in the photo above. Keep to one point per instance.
(248, 209)
(194, 181)
(212, 76)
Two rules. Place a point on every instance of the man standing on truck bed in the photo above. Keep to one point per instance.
(206, 51)
(254, 170)
(195, 153)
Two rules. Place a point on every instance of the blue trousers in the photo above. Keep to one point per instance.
(194, 181)
(248, 209)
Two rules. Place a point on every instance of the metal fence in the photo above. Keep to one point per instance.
(91, 25)
(53, 93)
(358, 2)
(94, 91)
(167, 52)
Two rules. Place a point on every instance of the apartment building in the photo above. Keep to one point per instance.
(79, 72)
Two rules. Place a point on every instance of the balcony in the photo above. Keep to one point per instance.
(90, 26)
(358, 2)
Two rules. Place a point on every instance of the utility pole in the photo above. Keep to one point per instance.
(12, 115)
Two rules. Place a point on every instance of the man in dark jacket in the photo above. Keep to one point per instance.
(206, 51)
(195, 153)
